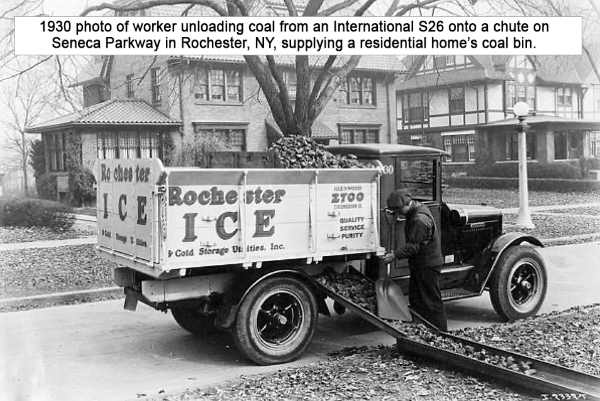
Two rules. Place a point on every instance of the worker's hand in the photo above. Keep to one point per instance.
(388, 258)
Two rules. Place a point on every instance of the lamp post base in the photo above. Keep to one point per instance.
(524, 220)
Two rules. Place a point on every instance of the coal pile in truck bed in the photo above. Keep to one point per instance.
(360, 290)
(350, 285)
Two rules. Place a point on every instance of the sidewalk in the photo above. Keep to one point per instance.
(13, 246)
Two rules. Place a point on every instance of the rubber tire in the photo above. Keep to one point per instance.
(498, 285)
(246, 340)
(193, 321)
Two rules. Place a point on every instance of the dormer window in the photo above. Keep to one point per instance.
(521, 63)
(443, 63)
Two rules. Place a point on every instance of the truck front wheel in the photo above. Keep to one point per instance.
(519, 283)
(276, 321)
(192, 320)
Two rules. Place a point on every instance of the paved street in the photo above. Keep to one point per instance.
(100, 352)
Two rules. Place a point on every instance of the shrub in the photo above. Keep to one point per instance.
(29, 212)
(46, 186)
(534, 170)
(37, 159)
(193, 151)
(534, 184)
(589, 163)
(82, 185)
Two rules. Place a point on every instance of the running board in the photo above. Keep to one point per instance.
(457, 293)
(547, 378)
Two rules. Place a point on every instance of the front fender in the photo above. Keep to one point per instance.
(499, 246)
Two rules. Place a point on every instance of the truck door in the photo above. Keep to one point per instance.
(420, 178)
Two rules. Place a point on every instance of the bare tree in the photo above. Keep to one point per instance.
(26, 103)
(588, 9)
(315, 84)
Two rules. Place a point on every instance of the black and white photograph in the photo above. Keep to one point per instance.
(227, 200)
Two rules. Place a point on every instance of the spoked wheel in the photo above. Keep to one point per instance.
(519, 283)
(276, 321)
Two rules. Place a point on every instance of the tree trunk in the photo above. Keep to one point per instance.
(24, 163)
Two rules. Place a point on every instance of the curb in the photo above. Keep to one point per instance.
(61, 297)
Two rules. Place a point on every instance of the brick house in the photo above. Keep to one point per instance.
(463, 104)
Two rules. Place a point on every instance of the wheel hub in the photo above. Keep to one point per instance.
(524, 286)
(279, 318)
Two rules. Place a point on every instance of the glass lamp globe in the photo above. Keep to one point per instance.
(521, 109)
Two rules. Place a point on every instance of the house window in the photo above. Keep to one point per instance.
(218, 85)
(521, 62)
(56, 151)
(457, 100)
(516, 92)
(234, 137)
(289, 78)
(564, 96)
(568, 145)
(358, 90)
(460, 146)
(595, 143)
(512, 146)
(129, 85)
(560, 145)
(441, 63)
(358, 134)
(415, 108)
(148, 145)
(128, 145)
(155, 85)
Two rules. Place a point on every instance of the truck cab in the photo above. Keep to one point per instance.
(478, 255)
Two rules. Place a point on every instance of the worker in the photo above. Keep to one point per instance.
(424, 253)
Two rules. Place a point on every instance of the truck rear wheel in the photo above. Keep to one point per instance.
(276, 321)
(190, 319)
(519, 283)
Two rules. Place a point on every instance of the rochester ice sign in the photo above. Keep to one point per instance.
(125, 210)
(209, 217)
(217, 217)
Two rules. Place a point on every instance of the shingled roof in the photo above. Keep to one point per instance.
(111, 112)
(366, 63)
(549, 69)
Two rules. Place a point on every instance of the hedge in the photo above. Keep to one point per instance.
(29, 212)
(536, 184)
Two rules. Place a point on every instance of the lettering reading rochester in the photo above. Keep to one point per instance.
(215, 196)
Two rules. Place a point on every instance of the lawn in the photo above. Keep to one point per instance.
(46, 270)
(504, 198)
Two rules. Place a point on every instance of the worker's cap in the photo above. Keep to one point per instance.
(398, 199)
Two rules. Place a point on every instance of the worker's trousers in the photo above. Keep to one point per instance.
(425, 296)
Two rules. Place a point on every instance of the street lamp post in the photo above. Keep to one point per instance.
(521, 110)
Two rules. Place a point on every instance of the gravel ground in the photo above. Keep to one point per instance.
(27, 234)
(570, 338)
(46, 270)
(552, 226)
(503, 198)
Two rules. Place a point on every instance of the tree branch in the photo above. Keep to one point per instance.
(153, 3)
(337, 7)
(21, 72)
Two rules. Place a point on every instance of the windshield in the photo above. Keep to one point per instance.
(417, 177)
